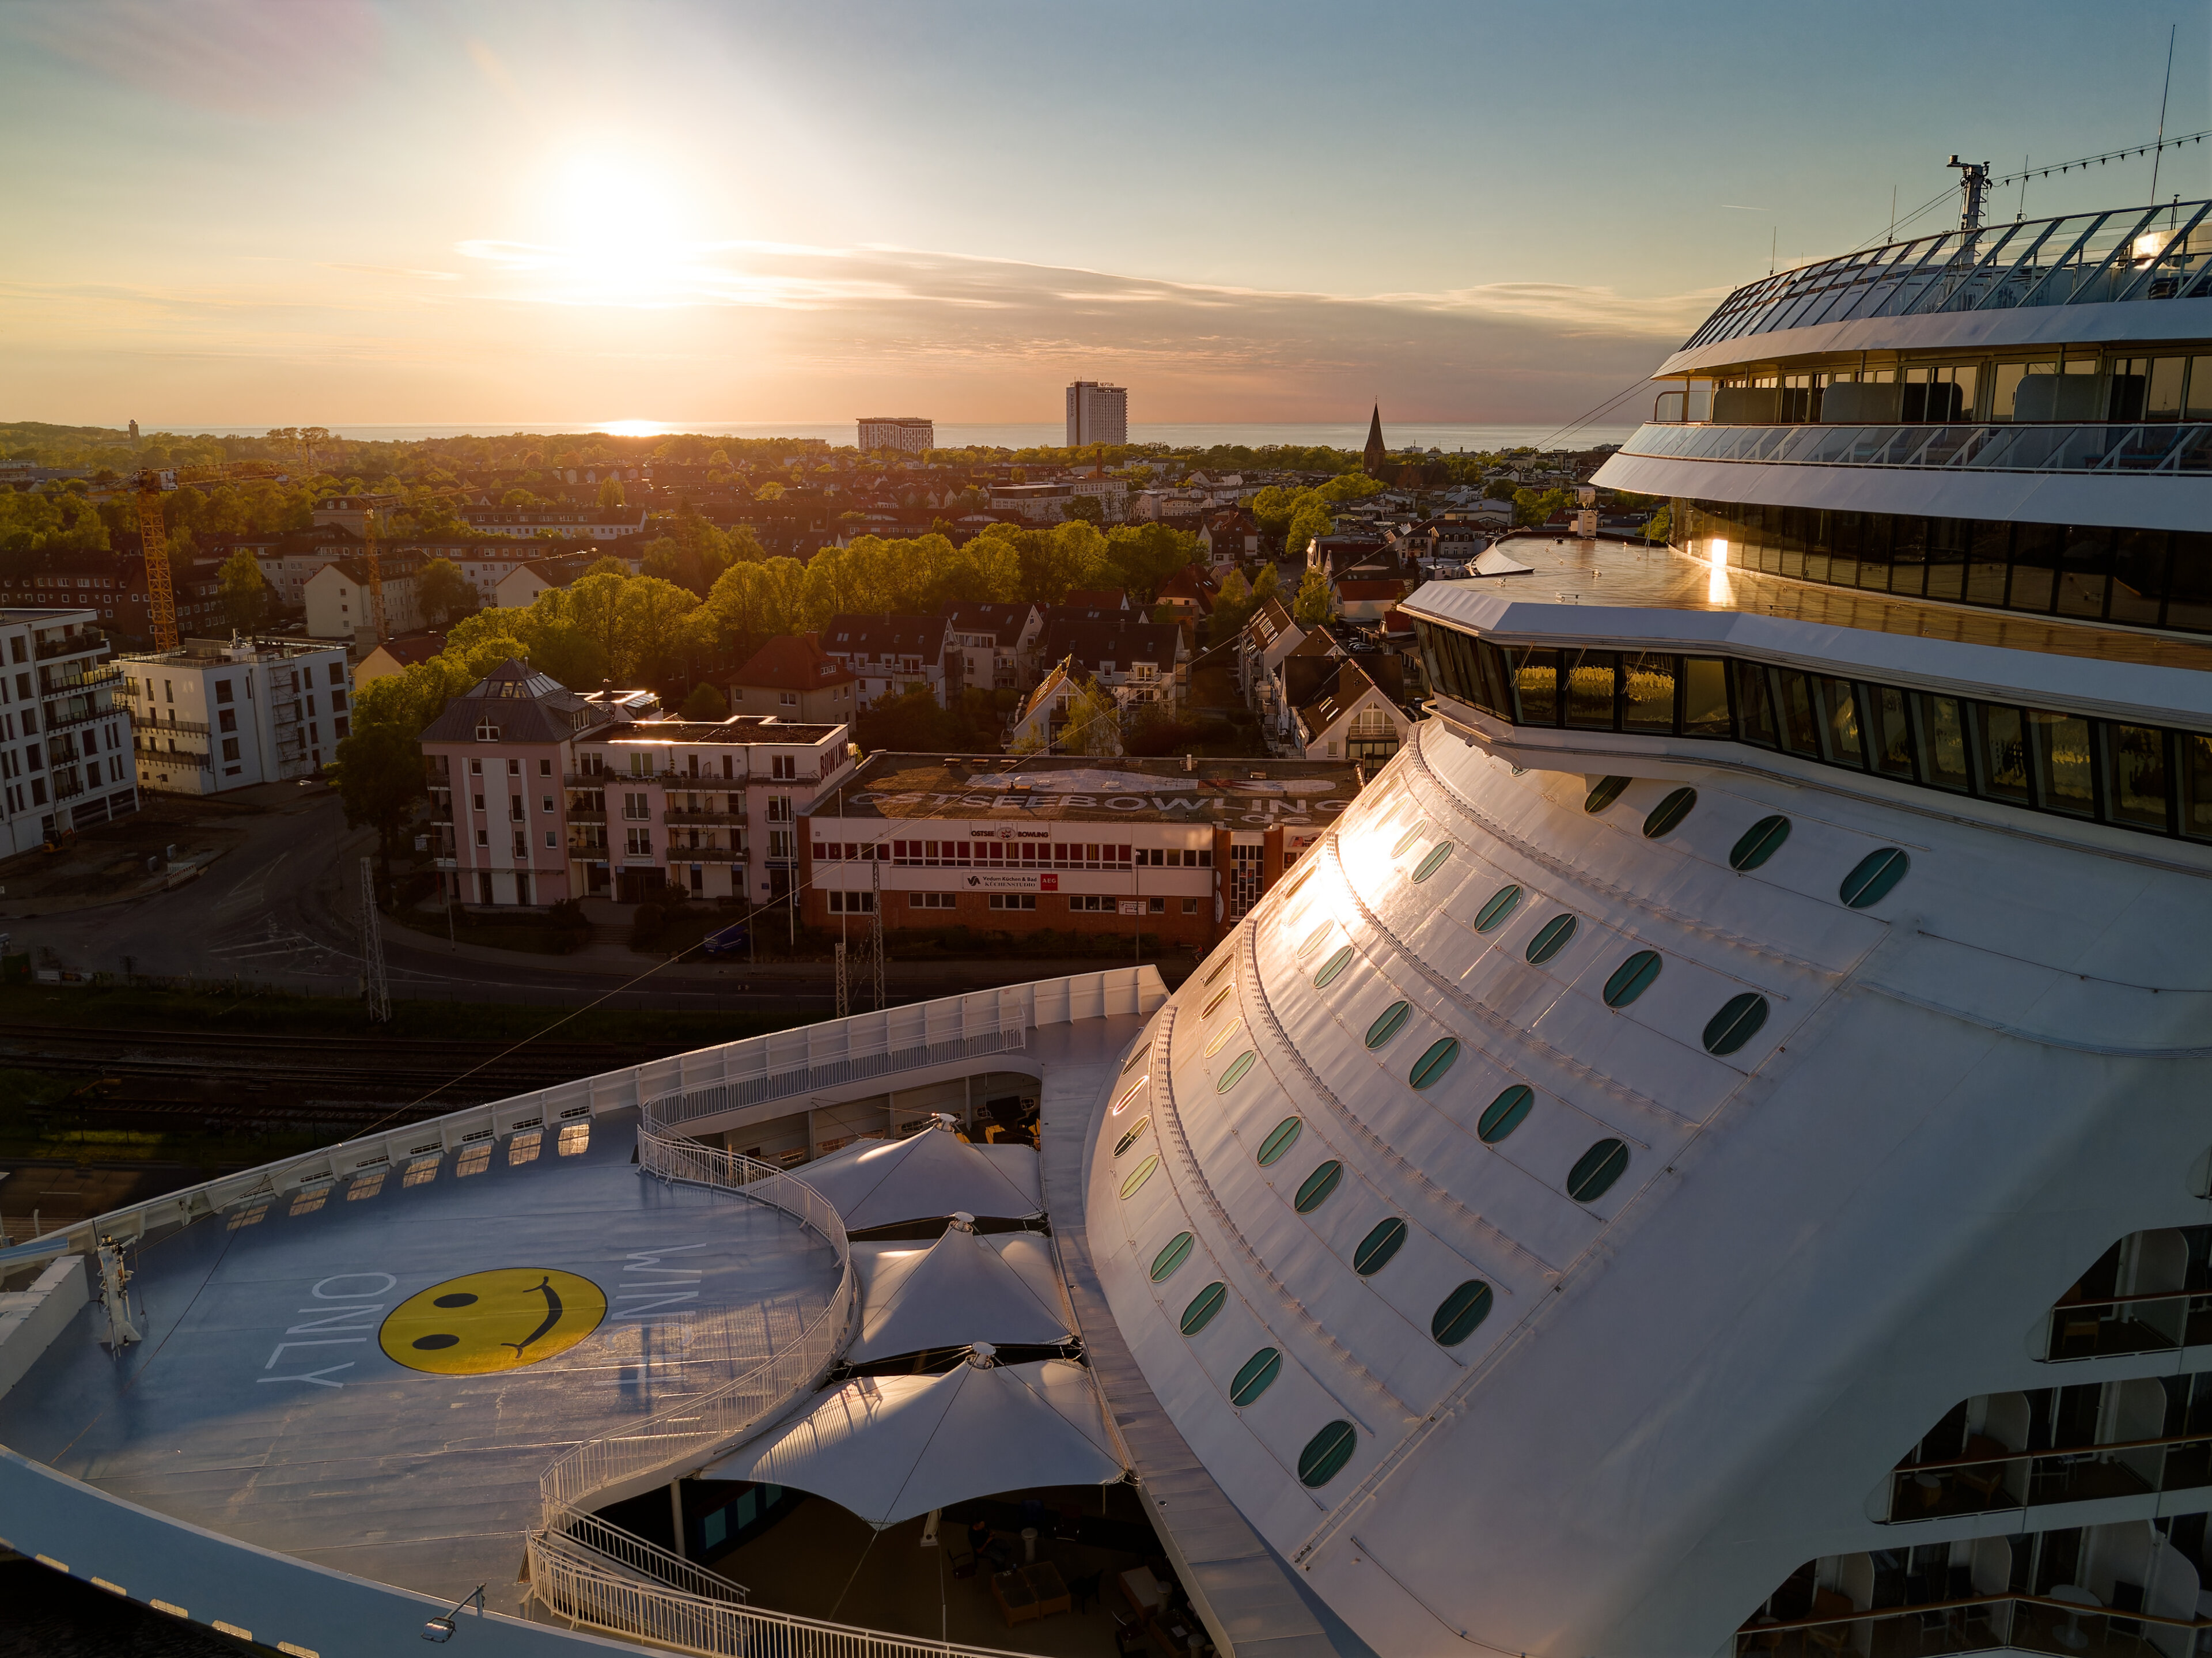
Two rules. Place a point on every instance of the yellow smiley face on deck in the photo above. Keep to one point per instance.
(490, 1321)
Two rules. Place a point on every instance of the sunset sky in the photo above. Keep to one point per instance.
(284, 211)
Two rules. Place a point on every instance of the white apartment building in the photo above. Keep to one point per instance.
(216, 715)
(904, 432)
(1096, 413)
(339, 604)
(65, 760)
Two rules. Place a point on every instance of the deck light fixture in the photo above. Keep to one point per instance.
(440, 1629)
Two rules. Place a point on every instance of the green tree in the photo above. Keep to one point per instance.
(1313, 605)
(705, 704)
(1094, 722)
(1089, 509)
(1660, 525)
(1232, 608)
(444, 592)
(610, 493)
(380, 777)
(1312, 521)
(245, 594)
(1265, 585)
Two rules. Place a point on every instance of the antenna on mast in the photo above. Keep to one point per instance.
(1973, 179)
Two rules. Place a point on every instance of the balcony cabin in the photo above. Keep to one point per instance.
(2150, 1292)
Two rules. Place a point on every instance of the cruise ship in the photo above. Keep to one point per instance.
(1708, 1154)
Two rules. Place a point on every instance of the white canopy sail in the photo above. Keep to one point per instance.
(961, 1290)
(934, 1172)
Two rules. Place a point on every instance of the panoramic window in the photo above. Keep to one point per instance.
(1606, 791)
(1254, 1377)
(1386, 1023)
(1758, 843)
(1632, 978)
(1736, 1023)
(1593, 1176)
(1434, 1063)
(1668, 814)
(1332, 968)
(1326, 1454)
(1136, 1132)
(1203, 1306)
(1130, 1094)
(1315, 1190)
(1224, 1036)
(1420, 827)
(1280, 1138)
(1502, 904)
(1435, 861)
(1235, 1074)
(1505, 1114)
(1165, 1262)
(1871, 879)
(1313, 938)
(1460, 1312)
(1139, 1175)
(1215, 1001)
(1551, 938)
(1376, 1250)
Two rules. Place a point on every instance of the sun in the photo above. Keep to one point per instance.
(631, 429)
(620, 224)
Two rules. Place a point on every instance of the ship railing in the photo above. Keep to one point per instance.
(2151, 1322)
(2003, 1620)
(2134, 448)
(1940, 1488)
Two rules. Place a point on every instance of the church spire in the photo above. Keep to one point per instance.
(1376, 454)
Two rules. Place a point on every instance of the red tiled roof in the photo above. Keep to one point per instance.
(408, 649)
(792, 662)
(1106, 599)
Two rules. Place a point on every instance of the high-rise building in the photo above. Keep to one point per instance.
(904, 433)
(1096, 413)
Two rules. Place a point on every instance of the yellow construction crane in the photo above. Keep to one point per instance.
(161, 592)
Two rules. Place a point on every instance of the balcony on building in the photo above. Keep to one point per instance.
(2150, 1292)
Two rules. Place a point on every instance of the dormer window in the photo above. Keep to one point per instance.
(486, 732)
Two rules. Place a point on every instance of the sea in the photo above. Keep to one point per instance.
(1444, 436)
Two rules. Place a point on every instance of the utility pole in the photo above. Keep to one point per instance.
(374, 987)
(844, 1004)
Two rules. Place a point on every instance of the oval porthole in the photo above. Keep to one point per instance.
(1758, 843)
(1505, 1114)
(1594, 1175)
(1668, 814)
(1551, 938)
(1130, 1094)
(1313, 940)
(1280, 1138)
(1139, 1175)
(1235, 1074)
(1603, 793)
(1221, 966)
(1434, 1063)
(1333, 968)
(1215, 1002)
(1137, 1058)
(1463, 1309)
(1386, 1023)
(1503, 903)
(1632, 978)
(1203, 1306)
(1136, 1132)
(1165, 1262)
(1376, 1250)
(1224, 1036)
(1317, 1186)
(1876, 874)
(1326, 1454)
(1256, 1376)
(1736, 1023)
(1411, 835)
(1435, 861)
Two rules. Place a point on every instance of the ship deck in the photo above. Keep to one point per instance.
(266, 1401)
(1568, 571)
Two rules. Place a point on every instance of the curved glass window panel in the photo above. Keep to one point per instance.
(1214, 1001)
(1326, 1454)
(1139, 1175)
(1235, 1074)
(1502, 902)
(1165, 1262)
(1551, 938)
(1256, 1376)
(1758, 843)
(1224, 1036)
(1460, 1312)
(1432, 1065)
(1136, 1132)
(1376, 1250)
(1137, 1057)
(1221, 966)
(1668, 814)
(1203, 1306)
(1386, 1023)
(1736, 1023)
(1130, 1094)
(1593, 1175)
(1632, 978)
(1313, 940)
(1434, 861)
(1317, 1186)
(1411, 835)
(1280, 1138)
(1871, 879)
(1505, 1114)
(1296, 886)
(1603, 795)
(1333, 968)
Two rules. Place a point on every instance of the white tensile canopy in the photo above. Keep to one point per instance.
(926, 1176)
(1494, 562)
(889, 1448)
(961, 1290)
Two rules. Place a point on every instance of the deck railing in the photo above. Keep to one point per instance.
(2123, 448)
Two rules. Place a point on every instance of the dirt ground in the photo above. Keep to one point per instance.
(109, 860)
